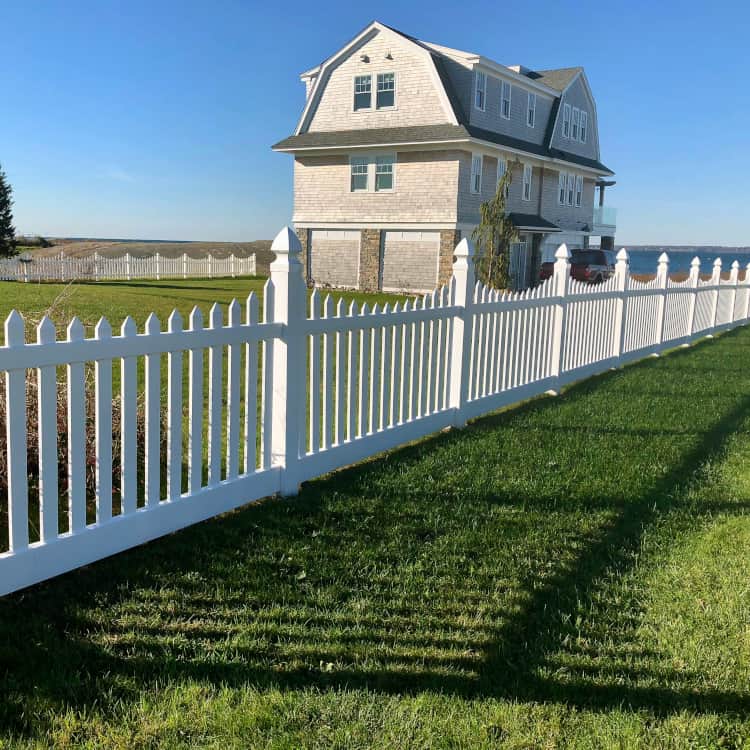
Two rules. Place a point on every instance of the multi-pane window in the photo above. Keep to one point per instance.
(359, 166)
(526, 194)
(501, 167)
(584, 126)
(561, 185)
(574, 123)
(362, 92)
(579, 190)
(476, 173)
(566, 120)
(480, 89)
(386, 94)
(531, 110)
(571, 189)
(505, 101)
(384, 172)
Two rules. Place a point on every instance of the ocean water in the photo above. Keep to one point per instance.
(644, 262)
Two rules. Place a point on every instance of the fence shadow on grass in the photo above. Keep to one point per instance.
(267, 596)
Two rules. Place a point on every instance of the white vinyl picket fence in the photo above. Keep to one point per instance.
(97, 267)
(300, 391)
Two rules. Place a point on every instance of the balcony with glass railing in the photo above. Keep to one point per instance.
(605, 219)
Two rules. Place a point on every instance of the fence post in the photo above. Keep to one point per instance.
(746, 282)
(232, 264)
(715, 281)
(211, 265)
(662, 277)
(621, 285)
(62, 266)
(158, 267)
(462, 285)
(287, 358)
(184, 265)
(25, 272)
(694, 278)
(96, 266)
(734, 276)
(561, 282)
(127, 265)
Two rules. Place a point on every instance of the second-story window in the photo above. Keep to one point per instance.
(386, 93)
(574, 123)
(384, 172)
(571, 189)
(579, 190)
(505, 101)
(566, 121)
(531, 110)
(476, 173)
(501, 167)
(561, 185)
(359, 166)
(584, 126)
(480, 89)
(526, 193)
(362, 92)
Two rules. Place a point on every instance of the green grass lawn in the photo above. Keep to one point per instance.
(570, 573)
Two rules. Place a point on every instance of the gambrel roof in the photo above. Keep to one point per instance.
(458, 128)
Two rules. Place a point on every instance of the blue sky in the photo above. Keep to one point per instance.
(155, 119)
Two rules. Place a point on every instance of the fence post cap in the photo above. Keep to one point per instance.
(464, 249)
(717, 263)
(664, 258)
(286, 242)
(562, 252)
(623, 255)
(695, 262)
(735, 264)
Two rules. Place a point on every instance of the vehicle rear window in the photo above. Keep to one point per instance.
(589, 258)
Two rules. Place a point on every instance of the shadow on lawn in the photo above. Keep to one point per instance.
(177, 609)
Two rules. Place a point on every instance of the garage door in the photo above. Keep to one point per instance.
(410, 261)
(334, 257)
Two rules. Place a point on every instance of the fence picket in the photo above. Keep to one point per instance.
(128, 419)
(76, 434)
(103, 416)
(153, 418)
(47, 419)
(174, 413)
(215, 383)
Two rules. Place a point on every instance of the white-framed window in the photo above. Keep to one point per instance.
(584, 126)
(502, 166)
(579, 190)
(531, 110)
(385, 95)
(574, 123)
(362, 92)
(571, 189)
(384, 172)
(526, 192)
(561, 186)
(476, 174)
(359, 173)
(505, 100)
(480, 89)
(566, 120)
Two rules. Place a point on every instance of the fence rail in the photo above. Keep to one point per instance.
(213, 416)
(126, 267)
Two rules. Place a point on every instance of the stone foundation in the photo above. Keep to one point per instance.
(304, 240)
(449, 238)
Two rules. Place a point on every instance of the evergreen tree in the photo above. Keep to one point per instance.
(7, 231)
(494, 236)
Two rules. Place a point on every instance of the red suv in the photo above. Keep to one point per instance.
(592, 266)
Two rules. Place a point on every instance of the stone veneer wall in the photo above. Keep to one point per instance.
(449, 238)
(304, 239)
(369, 260)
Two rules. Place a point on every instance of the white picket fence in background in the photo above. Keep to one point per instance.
(97, 267)
(307, 390)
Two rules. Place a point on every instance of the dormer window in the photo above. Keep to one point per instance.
(579, 190)
(531, 110)
(566, 121)
(526, 192)
(505, 101)
(574, 123)
(480, 89)
(584, 126)
(386, 93)
(362, 92)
